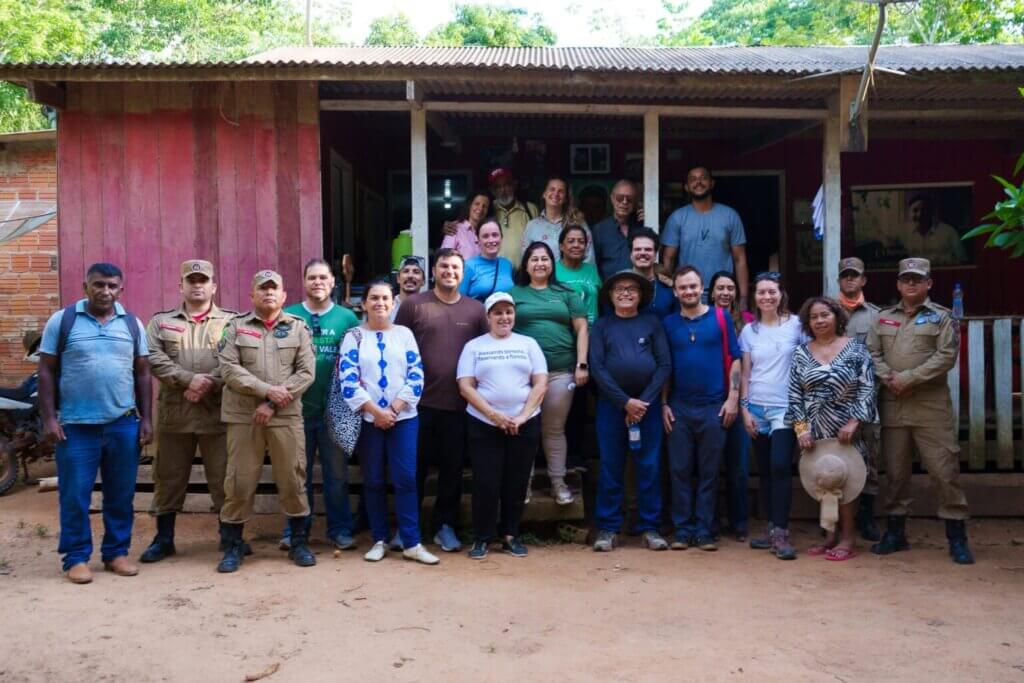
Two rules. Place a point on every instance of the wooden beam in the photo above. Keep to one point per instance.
(1002, 364)
(1004, 114)
(652, 170)
(831, 180)
(686, 111)
(49, 94)
(853, 135)
(449, 138)
(772, 136)
(976, 393)
(418, 191)
(413, 95)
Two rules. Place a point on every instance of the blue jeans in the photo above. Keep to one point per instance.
(737, 473)
(695, 447)
(613, 446)
(394, 448)
(335, 479)
(113, 450)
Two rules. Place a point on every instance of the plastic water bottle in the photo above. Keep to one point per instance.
(958, 302)
(634, 436)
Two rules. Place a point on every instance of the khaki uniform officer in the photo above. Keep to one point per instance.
(183, 356)
(267, 361)
(913, 345)
(862, 318)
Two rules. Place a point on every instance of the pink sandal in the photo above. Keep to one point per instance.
(821, 548)
(839, 554)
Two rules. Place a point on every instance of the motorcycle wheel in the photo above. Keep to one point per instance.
(8, 467)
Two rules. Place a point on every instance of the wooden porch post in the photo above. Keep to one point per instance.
(832, 182)
(652, 214)
(418, 178)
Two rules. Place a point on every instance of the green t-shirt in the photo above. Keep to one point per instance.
(584, 281)
(547, 315)
(332, 327)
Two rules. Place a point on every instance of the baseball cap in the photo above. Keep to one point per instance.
(264, 276)
(851, 263)
(499, 174)
(919, 266)
(196, 267)
(497, 298)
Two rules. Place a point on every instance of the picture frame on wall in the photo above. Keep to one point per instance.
(590, 159)
(926, 220)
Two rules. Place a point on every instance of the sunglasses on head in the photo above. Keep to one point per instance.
(772, 275)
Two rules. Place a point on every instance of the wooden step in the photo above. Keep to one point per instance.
(541, 508)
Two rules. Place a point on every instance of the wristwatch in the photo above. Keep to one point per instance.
(581, 366)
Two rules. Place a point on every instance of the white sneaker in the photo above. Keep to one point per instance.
(563, 496)
(377, 552)
(420, 554)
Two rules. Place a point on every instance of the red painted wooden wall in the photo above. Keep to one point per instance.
(152, 174)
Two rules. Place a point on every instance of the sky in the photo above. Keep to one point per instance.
(575, 22)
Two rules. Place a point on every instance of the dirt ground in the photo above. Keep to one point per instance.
(563, 613)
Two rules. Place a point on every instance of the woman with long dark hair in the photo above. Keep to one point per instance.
(474, 212)
(553, 314)
(767, 345)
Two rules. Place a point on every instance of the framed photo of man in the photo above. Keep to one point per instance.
(892, 222)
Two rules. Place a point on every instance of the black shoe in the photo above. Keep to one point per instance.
(514, 547)
(246, 548)
(162, 546)
(956, 533)
(234, 551)
(478, 551)
(704, 543)
(866, 518)
(300, 553)
(894, 539)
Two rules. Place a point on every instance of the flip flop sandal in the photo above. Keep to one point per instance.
(840, 554)
(820, 549)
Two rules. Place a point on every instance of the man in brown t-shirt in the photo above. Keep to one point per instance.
(442, 321)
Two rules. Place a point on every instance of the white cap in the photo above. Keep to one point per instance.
(497, 298)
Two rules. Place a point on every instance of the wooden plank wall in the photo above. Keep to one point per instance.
(151, 174)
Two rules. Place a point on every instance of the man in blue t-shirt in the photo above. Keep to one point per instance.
(700, 404)
(95, 401)
(706, 235)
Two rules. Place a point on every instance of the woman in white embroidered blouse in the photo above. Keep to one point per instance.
(381, 375)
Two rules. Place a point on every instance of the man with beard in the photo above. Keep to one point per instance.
(512, 215)
(442, 321)
(707, 235)
(410, 281)
(611, 235)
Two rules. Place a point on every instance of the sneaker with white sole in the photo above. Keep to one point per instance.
(447, 540)
(653, 541)
(605, 541)
(561, 493)
(420, 554)
(377, 552)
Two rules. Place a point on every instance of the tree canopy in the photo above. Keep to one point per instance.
(472, 25)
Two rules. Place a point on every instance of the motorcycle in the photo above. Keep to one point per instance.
(21, 428)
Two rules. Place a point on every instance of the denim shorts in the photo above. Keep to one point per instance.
(768, 418)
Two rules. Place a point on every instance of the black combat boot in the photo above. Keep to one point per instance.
(163, 543)
(866, 518)
(895, 537)
(956, 534)
(300, 553)
(231, 541)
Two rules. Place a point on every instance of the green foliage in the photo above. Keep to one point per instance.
(1005, 226)
(57, 30)
(840, 22)
(491, 27)
(392, 30)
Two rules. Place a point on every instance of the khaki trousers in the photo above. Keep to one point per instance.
(247, 444)
(940, 457)
(872, 435)
(173, 465)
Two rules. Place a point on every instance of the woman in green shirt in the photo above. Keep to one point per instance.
(571, 269)
(554, 315)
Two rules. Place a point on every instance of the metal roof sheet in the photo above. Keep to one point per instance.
(793, 61)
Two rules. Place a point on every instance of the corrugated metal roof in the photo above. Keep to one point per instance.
(793, 61)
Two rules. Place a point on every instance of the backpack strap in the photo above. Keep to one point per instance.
(726, 358)
(67, 321)
(133, 329)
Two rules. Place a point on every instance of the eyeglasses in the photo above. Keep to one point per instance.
(626, 289)
(623, 198)
(911, 279)
(772, 275)
(314, 322)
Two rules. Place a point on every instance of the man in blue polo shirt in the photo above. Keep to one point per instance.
(700, 403)
(102, 416)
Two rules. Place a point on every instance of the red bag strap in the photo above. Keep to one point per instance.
(726, 358)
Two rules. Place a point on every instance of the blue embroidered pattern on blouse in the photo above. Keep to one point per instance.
(383, 382)
(348, 371)
(414, 372)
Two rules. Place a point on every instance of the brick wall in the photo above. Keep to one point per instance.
(28, 265)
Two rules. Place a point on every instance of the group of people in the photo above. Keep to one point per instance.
(492, 365)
